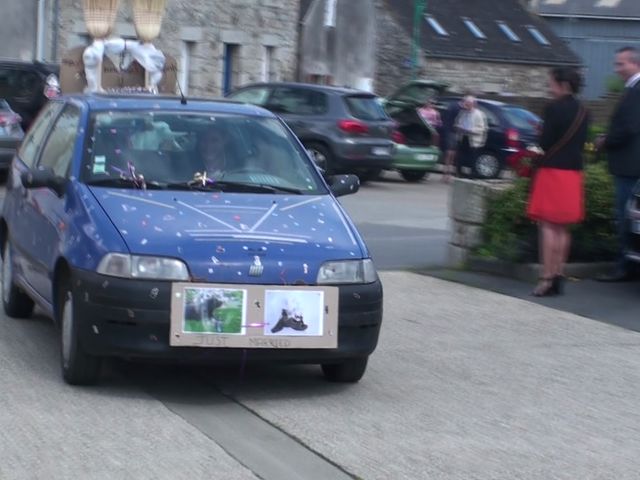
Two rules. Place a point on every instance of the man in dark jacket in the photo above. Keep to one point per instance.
(622, 144)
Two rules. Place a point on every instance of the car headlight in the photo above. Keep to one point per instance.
(143, 267)
(347, 271)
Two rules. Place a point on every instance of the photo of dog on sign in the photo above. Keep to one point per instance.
(214, 310)
(294, 313)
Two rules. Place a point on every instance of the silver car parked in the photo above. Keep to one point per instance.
(345, 130)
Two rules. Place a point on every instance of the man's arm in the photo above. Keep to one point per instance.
(625, 125)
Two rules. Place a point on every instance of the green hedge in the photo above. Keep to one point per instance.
(509, 235)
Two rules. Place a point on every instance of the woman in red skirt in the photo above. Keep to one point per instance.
(557, 194)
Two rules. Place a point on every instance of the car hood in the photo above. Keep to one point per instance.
(222, 235)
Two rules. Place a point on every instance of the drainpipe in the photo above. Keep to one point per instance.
(40, 31)
(419, 8)
(54, 30)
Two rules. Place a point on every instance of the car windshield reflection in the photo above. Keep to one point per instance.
(194, 151)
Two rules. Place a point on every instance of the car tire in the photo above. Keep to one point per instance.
(78, 367)
(413, 175)
(16, 303)
(348, 371)
(321, 156)
(487, 165)
(369, 175)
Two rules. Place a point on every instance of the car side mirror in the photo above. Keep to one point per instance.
(344, 184)
(45, 178)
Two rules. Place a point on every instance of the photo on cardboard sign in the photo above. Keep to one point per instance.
(297, 313)
(214, 310)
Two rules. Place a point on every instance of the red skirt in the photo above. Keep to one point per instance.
(557, 196)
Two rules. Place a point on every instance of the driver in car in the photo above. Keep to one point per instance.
(213, 151)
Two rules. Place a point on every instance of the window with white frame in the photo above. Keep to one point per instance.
(433, 23)
(268, 66)
(506, 29)
(474, 29)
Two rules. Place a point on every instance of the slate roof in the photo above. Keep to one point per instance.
(623, 9)
(460, 43)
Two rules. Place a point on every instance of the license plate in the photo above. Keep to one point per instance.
(424, 157)
(380, 151)
(253, 316)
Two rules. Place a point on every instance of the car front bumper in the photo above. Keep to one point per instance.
(131, 319)
(415, 158)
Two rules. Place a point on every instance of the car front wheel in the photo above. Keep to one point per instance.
(413, 175)
(348, 371)
(78, 368)
(487, 165)
(16, 303)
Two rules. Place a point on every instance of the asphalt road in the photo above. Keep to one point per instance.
(465, 384)
(405, 225)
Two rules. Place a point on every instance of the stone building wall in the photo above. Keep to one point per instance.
(200, 29)
(394, 66)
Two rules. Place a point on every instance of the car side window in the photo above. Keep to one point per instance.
(33, 141)
(58, 151)
(298, 101)
(254, 96)
(492, 118)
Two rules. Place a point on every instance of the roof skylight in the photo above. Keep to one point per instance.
(473, 28)
(506, 29)
(540, 38)
(436, 26)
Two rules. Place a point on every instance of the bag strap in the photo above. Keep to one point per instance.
(569, 134)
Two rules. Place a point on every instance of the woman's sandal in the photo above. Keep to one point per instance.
(546, 287)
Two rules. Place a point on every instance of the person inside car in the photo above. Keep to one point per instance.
(213, 151)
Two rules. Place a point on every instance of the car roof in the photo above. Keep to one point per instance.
(98, 101)
(309, 86)
(41, 66)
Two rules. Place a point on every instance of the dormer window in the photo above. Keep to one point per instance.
(506, 29)
(473, 28)
(436, 26)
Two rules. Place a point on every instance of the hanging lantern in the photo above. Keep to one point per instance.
(100, 17)
(147, 18)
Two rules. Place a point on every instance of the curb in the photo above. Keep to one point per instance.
(530, 272)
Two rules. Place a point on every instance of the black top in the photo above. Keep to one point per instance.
(559, 116)
(623, 137)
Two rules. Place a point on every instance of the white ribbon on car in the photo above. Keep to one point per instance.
(146, 54)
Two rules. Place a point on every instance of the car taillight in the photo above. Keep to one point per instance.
(8, 119)
(513, 137)
(398, 137)
(352, 126)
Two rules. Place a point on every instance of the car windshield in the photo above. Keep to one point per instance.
(365, 107)
(175, 150)
(522, 119)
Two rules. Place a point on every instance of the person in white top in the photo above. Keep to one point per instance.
(472, 128)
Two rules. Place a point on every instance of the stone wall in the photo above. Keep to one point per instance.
(202, 28)
(468, 212)
(19, 30)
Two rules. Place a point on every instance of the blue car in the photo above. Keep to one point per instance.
(184, 230)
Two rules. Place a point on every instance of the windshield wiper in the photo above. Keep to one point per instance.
(223, 185)
(257, 187)
(121, 182)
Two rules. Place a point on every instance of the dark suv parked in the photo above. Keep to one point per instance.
(22, 86)
(345, 130)
(511, 129)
